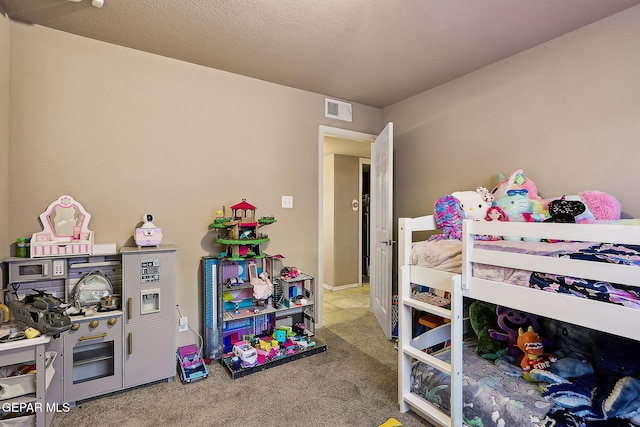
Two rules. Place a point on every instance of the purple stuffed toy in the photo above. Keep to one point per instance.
(509, 321)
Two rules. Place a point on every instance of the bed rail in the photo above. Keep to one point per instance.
(612, 318)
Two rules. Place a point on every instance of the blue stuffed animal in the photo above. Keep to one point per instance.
(612, 391)
(573, 345)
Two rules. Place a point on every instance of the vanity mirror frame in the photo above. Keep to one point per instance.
(65, 230)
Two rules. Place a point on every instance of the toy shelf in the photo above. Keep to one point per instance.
(258, 310)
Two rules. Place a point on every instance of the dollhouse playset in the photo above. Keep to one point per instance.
(257, 313)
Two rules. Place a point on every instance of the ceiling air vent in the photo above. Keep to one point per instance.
(337, 110)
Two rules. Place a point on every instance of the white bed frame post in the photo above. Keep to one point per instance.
(404, 311)
(409, 348)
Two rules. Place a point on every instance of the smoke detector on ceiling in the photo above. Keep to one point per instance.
(340, 110)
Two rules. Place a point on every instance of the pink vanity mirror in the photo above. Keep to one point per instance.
(65, 230)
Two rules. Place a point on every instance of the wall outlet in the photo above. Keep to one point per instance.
(287, 202)
(183, 324)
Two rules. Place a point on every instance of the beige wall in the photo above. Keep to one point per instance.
(346, 235)
(567, 112)
(4, 136)
(341, 231)
(126, 132)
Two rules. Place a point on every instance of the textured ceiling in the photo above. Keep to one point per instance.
(375, 52)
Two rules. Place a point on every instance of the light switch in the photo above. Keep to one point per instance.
(287, 202)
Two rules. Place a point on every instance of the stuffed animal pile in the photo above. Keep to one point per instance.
(586, 206)
(516, 198)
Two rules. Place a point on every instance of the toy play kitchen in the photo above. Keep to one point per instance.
(121, 306)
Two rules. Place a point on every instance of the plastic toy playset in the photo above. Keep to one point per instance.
(264, 314)
(257, 353)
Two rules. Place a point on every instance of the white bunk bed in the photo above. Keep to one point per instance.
(610, 318)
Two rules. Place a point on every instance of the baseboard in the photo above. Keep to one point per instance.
(341, 287)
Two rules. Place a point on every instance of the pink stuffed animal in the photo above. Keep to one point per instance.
(602, 205)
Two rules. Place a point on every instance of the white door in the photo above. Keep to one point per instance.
(381, 209)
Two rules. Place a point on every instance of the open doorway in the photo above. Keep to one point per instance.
(343, 225)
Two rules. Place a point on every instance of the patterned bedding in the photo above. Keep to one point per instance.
(447, 256)
(628, 296)
(491, 397)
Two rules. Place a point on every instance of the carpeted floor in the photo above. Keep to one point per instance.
(353, 383)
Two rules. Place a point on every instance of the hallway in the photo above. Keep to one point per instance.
(344, 305)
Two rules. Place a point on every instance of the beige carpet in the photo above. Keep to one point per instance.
(353, 383)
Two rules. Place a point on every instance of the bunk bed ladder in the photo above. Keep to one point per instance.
(410, 349)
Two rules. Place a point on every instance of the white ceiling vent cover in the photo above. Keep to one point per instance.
(337, 110)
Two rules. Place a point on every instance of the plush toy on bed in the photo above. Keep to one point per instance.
(565, 211)
(534, 357)
(617, 366)
(603, 206)
(613, 390)
(483, 318)
(474, 203)
(450, 210)
(599, 205)
(448, 215)
(509, 321)
(516, 181)
(515, 204)
(573, 345)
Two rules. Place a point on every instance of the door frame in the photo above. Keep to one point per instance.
(323, 131)
(361, 163)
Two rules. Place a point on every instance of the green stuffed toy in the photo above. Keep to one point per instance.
(483, 319)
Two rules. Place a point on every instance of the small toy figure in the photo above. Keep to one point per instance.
(534, 356)
(495, 213)
(262, 286)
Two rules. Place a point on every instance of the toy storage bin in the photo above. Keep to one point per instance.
(24, 384)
